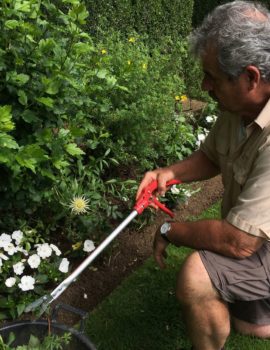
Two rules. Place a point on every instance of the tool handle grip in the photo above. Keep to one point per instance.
(146, 198)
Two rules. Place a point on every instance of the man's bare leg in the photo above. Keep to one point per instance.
(243, 327)
(206, 315)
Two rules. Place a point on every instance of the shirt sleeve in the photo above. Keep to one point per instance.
(252, 210)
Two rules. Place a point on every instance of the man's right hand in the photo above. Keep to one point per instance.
(161, 175)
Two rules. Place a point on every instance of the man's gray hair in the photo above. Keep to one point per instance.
(240, 32)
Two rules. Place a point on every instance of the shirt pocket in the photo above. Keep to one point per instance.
(241, 168)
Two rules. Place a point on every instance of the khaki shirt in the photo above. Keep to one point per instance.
(243, 157)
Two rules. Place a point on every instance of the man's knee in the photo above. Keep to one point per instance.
(246, 328)
(193, 282)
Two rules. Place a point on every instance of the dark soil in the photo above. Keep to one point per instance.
(129, 250)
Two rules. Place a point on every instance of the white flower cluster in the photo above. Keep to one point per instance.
(11, 244)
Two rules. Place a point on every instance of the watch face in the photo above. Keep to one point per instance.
(165, 227)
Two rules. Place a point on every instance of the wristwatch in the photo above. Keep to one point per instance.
(164, 229)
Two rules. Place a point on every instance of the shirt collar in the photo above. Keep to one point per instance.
(263, 118)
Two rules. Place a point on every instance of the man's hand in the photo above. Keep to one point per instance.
(162, 175)
(159, 248)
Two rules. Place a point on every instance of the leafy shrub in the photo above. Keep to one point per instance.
(156, 18)
(77, 117)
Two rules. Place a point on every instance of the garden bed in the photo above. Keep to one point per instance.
(129, 250)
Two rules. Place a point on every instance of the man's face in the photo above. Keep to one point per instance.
(231, 94)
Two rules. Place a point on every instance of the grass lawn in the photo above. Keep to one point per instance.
(143, 313)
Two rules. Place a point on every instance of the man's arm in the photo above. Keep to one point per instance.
(218, 236)
(195, 168)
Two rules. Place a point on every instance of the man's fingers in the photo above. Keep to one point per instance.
(160, 260)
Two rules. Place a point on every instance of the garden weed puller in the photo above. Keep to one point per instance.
(146, 198)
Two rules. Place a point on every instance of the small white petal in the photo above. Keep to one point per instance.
(63, 267)
(88, 246)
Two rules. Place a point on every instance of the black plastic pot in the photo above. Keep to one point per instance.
(39, 328)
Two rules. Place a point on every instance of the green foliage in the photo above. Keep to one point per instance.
(50, 342)
(156, 18)
(72, 112)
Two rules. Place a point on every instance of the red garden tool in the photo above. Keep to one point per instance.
(146, 198)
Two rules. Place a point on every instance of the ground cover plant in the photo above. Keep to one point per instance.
(50, 342)
(142, 313)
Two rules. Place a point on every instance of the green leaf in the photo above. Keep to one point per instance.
(3, 316)
(47, 101)
(33, 342)
(7, 141)
(11, 24)
(42, 278)
(18, 79)
(20, 309)
(29, 116)
(6, 123)
(59, 164)
(102, 73)
(22, 97)
(83, 48)
(73, 149)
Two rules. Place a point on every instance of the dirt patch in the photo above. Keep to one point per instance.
(129, 250)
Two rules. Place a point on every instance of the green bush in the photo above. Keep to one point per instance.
(75, 117)
(156, 18)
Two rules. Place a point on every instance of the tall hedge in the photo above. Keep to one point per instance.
(156, 18)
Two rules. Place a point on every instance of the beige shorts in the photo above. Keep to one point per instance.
(243, 283)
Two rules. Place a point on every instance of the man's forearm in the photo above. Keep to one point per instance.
(195, 168)
(214, 235)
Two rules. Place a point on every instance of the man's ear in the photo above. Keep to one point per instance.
(253, 76)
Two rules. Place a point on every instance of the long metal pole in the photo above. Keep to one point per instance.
(62, 286)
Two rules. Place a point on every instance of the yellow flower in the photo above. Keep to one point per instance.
(103, 51)
(177, 98)
(183, 98)
(79, 205)
(76, 246)
(132, 40)
(129, 62)
(144, 66)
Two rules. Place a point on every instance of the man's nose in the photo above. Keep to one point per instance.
(207, 84)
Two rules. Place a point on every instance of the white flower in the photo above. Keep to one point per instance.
(34, 261)
(55, 249)
(20, 249)
(63, 267)
(10, 249)
(17, 236)
(85, 296)
(5, 240)
(10, 282)
(44, 250)
(88, 246)
(27, 283)
(211, 118)
(188, 193)
(18, 268)
(200, 138)
(175, 190)
(79, 205)
(3, 256)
